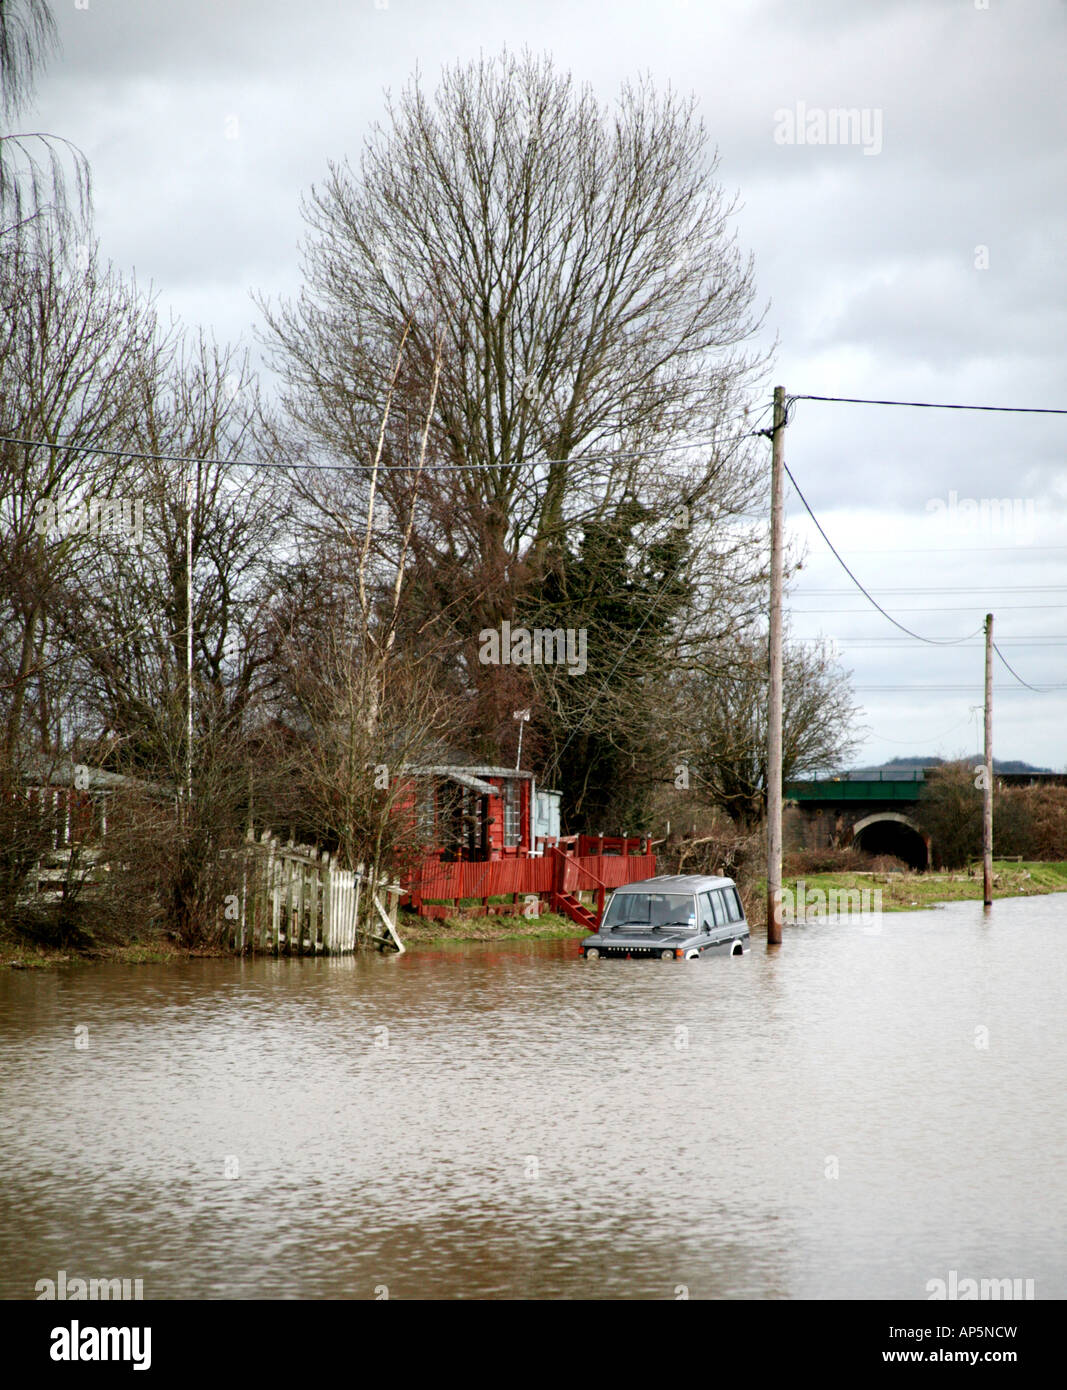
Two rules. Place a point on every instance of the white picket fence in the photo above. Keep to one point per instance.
(297, 900)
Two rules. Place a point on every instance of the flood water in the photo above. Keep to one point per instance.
(826, 1120)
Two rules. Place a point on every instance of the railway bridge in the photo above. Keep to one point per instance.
(874, 811)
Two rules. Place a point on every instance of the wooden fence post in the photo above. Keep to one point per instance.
(324, 901)
(276, 897)
(288, 862)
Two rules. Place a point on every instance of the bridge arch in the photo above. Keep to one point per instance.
(891, 832)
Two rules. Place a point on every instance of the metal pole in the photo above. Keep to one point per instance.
(987, 793)
(774, 673)
(522, 715)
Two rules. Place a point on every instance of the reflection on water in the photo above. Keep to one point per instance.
(508, 1121)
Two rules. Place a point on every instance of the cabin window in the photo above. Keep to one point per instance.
(512, 828)
(719, 907)
(707, 918)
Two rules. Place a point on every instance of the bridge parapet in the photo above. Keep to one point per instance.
(869, 790)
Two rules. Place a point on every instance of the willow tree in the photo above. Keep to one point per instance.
(44, 178)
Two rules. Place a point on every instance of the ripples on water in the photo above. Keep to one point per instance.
(530, 1125)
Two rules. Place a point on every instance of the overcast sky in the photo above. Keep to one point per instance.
(918, 256)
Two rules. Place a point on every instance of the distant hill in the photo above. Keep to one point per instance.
(910, 765)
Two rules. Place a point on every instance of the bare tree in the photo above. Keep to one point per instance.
(949, 810)
(71, 338)
(356, 710)
(595, 310)
(725, 718)
(580, 261)
(167, 628)
(128, 608)
(353, 722)
(68, 339)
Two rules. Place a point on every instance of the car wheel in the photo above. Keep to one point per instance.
(692, 955)
(737, 949)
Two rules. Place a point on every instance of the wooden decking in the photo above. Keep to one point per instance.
(565, 869)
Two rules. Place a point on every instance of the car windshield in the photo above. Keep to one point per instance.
(649, 910)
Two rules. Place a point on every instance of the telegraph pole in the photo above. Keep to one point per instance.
(987, 793)
(774, 672)
(188, 638)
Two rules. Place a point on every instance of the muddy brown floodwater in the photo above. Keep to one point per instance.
(853, 1116)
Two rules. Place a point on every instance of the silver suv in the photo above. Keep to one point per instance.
(675, 917)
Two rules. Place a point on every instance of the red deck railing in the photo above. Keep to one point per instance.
(544, 875)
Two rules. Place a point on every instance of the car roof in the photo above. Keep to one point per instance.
(677, 883)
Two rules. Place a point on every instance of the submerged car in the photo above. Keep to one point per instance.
(674, 917)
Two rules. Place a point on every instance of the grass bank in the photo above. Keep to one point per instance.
(27, 956)
(909, 892)
(427, 931)
(414, 932)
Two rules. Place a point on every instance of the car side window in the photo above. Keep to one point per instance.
(737, 912)
(707, 913)
(719, 907)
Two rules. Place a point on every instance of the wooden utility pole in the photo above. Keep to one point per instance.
(189, 639)
(987, 794)
(774, 681)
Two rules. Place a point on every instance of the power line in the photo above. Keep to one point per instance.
(896, 644)
(958, 689)
(362, 467)
(1038, 690)
(935, 642)
(961, 549)
(946, 589)
(930, 641)
(858, 612)
(938, 405)
(933, 738)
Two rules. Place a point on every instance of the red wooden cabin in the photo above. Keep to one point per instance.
(491, 832)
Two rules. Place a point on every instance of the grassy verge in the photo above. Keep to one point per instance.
(24, 956)
(908, 892)
(414, 932)
(427, 931)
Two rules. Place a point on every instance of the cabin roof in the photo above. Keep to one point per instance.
(459, 771)
(465, 779)
(41, 770)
